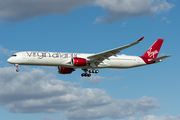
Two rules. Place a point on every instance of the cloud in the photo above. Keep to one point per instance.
(132, 118)
(124, 24)
(16, 10)
(48, 118)
(6, 52)
(36, 91)
(95, 79)
(165, 19)
(119, 109)
(162, 117)
(124, 88)
(62, 117)
(116, 78)
(121, 9)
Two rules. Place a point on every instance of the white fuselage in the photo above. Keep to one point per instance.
(64, 59)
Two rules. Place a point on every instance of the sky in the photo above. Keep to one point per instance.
(89, 26)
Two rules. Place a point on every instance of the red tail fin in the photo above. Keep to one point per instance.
(153, 51)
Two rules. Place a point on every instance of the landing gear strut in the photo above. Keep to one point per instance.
(90, 71)
(17, 69)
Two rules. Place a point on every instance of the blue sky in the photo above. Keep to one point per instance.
(89, 26)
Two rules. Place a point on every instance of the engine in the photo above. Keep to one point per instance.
(65, 70)
(79, 62)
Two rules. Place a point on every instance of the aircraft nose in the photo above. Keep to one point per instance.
(9, 60)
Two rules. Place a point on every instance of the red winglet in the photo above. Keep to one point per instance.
(141, 39)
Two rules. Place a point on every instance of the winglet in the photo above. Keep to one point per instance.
(141, 39)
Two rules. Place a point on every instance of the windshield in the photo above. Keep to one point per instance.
(14, 55)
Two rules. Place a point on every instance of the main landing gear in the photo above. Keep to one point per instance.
(88, 74)
(17, 69)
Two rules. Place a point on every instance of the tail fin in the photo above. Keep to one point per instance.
(153, 51)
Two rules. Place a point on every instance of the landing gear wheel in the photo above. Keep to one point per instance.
(90, 71)
(83, 74)
(17, 70)
(88, 75)
(93, 71)
(97, 71)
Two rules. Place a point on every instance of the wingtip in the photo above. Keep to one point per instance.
(141, 39)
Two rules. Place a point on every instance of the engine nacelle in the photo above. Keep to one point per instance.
(65, 70)
(79, 62)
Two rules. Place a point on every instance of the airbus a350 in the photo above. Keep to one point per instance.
(89, 63)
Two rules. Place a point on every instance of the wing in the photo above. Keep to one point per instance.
(99, 57)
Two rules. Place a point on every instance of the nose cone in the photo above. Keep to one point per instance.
(9, 60)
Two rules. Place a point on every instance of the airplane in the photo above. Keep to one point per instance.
(89, 63)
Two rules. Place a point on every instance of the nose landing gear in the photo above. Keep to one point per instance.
(17, 69)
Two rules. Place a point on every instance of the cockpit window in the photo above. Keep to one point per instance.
(14, 55)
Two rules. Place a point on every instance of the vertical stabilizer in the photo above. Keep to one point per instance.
(153, 51)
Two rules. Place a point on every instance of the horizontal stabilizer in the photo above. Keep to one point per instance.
(159, 59)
